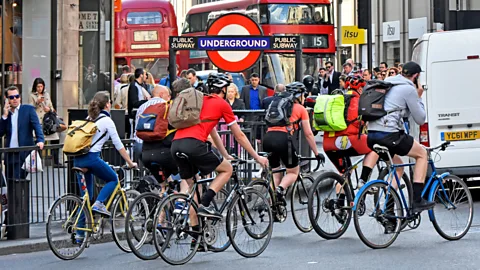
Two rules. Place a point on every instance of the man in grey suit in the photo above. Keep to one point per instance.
(253, 94)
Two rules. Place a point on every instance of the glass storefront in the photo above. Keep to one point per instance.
(25, 44)
(392, 53)
(95, 48)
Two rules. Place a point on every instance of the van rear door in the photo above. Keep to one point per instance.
(453, 102)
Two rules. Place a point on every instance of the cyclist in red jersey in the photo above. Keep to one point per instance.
(203, 157)
(351, 142)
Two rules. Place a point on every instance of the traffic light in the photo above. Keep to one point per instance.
(362, 14)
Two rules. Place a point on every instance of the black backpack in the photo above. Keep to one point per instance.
(279, 111)
(371, 105)
(50, 124)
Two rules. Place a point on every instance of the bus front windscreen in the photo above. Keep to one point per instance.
(156, 66)
(302, 14)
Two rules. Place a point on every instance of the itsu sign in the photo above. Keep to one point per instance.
(234, 42)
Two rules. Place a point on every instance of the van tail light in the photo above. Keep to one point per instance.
(424, 138)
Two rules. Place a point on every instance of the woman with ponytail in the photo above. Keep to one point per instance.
(99, 111)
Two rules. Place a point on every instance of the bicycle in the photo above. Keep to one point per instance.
(175, 226)
(298, 196)
(139, 221)
(390, 215)
(329, 213)
(73, 209)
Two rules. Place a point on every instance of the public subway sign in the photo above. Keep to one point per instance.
(234, 42)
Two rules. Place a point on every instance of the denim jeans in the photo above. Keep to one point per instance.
(96, 166)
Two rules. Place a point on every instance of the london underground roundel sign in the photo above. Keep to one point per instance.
(234, 24)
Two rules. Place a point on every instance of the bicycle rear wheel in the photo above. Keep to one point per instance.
(329, 205)
(140, 224)
(223, 242)
(376, 215)
(299, 203)
(250, 211)
(174, 238)
(61, 229)
(453, 210)
(117, 219)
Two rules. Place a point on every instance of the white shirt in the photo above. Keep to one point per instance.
(140, 91)
(331, 75)
(105, 125)
(142, 108)
(14, 119)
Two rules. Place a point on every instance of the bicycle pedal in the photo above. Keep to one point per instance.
(402, 186)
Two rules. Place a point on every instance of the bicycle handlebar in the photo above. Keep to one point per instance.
(311, 159)
(442, 147)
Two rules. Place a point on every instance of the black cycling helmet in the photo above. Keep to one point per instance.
(217, 81)
(308, 81)
(296, 88)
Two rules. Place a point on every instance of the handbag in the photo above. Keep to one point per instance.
(61, 125)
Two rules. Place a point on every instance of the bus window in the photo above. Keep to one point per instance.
(150, 17)
(156, 66)
(295, 14)
(195, 23)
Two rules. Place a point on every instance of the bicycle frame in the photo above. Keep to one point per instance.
(86, 203)
(430, 186)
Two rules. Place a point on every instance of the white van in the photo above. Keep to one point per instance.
(451, 66)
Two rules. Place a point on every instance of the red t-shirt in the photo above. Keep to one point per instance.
(214, 108)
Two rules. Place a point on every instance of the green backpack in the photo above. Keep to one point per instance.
(329, 113)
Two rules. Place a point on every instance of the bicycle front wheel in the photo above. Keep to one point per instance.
(329, 208)
(249, 223)
(377, 215)
(119, 212)
(453, 210)
(299, 203)
(139, 226)
(67, 227)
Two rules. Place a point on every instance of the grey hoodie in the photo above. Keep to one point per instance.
(401, 101)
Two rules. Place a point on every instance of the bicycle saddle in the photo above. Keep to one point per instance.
(380, 149)
(80, 170)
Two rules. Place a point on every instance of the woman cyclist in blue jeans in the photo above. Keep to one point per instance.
(99, 110)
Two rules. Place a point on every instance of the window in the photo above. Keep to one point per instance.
(295, 14)
(195, 23)
(156, 66)
(151, 17)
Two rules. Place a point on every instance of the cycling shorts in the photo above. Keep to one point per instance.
(202, 156)
(398, 143)
(276, 143)
(158, 160)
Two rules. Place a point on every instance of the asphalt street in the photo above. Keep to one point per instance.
(289, 249)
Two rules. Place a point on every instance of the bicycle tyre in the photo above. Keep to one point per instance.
(161, 247)
(120, 209)
(52, 214)
(409, 187)
(368, 190)
(435, 222)
(223, 246)
(298, 188)
(149, 207)
(315, 215)
(233, 232)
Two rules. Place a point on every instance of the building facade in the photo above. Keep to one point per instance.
(67, 43)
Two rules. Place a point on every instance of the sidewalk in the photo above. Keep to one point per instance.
(38, 241)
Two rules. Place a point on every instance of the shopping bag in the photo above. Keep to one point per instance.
(33, 163)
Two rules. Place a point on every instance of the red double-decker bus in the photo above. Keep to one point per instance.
(311, 19)
(142, 31)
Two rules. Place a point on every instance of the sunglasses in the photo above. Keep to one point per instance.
(327, 67)
(14, 97)
(384, 74)
(392, 73)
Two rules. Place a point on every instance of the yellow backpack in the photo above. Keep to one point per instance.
(79, 137)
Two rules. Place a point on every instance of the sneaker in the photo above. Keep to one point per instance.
(3, 232)
(180, 208)
(100, 208)
(208, 212)
(361, 183)
(281, 196)
(389, 227)
(201, 247)
(422, 205)
(340, 215)
(80, 237)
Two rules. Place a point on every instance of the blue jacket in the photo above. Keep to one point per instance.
(27, 123)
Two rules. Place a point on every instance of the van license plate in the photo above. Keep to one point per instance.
(461, 135)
